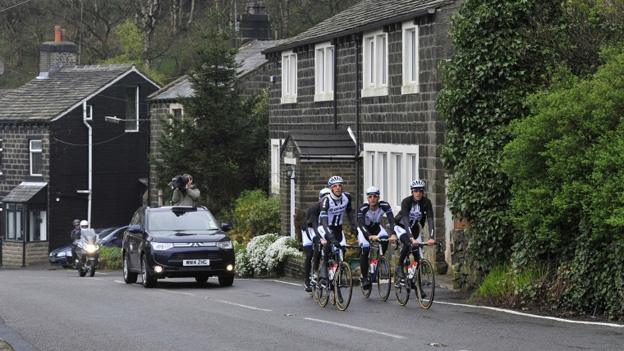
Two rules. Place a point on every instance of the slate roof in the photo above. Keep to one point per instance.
(44, 99)
(323, 144)
(4, 91)
(249, 58)
(363, 16)
(24, 192)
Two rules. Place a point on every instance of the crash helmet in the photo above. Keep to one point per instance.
(84, 224)
(417, 184)
(334, 180)
(373, 190)
(324, 192)
(76, 222)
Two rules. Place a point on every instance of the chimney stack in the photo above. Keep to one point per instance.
(55, 54)
(255, 23)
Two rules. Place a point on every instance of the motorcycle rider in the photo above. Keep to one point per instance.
(75, 235)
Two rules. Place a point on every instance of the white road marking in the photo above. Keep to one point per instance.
(239, 305)
(177, 292)
(356, 328)
(119, 282)
(613, 325)
(283, 282)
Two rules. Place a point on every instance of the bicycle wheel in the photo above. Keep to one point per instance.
(321, 295)
(384, 280)
(343, 286)
(366, 292)
(425, 284)
(402, 290)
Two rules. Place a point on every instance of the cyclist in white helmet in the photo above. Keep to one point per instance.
(334, 207)
(370, 228)
(311, 238)
(416, 210)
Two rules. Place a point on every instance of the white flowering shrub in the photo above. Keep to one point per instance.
(277, 252)
(264, 255)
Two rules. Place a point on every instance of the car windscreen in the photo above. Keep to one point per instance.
(178, 221)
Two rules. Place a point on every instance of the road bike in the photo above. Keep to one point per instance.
(339, 287)
(378, 271)
(418, 275)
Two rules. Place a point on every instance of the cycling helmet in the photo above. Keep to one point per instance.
(417, 184)
(76, 222)
(324, 192)
(373, 190)
(334, 180)
(84, 224)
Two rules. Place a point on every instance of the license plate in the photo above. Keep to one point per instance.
(199, 262)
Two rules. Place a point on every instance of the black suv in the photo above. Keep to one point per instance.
(176, 242)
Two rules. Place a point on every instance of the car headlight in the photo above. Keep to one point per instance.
(161, 246)
(90, 248)
(224, 244)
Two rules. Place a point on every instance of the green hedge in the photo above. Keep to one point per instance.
(110, 258)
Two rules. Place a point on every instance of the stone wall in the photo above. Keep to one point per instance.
(12, 253)
(466, 274)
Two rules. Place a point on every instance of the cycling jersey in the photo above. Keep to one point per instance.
(369, 221)
(308, 230)
(333, 210)
(416, 212)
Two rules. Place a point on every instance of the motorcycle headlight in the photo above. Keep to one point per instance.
(91, 248)
(224, 244)
(161, 246)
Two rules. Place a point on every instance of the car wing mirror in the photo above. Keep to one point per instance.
(226, 227)
(135, 229)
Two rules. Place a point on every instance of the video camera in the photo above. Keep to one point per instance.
(179, 182)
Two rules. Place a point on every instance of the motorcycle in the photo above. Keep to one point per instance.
(87, 253)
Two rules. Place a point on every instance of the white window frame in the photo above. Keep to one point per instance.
(136, 112)
(176, 106)
(324, 72)
(394, 187)
(275, 149)
(411, 59)
(33, 151)
(1, 153)
(375, 64)
(289, 77)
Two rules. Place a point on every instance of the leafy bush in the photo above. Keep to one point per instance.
(110, 258)
(506, 286)
(255, 213)
(567, 167)
(265, 254)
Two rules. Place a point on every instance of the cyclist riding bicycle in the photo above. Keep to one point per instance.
(311, 239)
(416, 210)
(334, 207)
(370, 228)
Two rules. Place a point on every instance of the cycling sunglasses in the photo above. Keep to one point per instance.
(421, 190)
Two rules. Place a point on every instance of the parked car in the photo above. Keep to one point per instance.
(177, 242)
(107, 237)
(112, 237)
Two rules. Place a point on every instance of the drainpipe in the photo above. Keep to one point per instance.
(357, 118)
(90, 176)
(291, 175)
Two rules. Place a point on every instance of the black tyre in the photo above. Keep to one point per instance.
(384, 279)
(148, 278)
(321, 295)
(129, 277)
(366, 292)
(226, 280)
(425, 284)
(343, 286)
(82, 272)
(91, 268)
(402, 290)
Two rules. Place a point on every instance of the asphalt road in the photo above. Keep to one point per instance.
(57, 310)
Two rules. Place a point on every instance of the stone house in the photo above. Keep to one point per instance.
(253, 76)
(355, 96)
(60, 159)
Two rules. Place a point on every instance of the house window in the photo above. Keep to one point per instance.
(390, 167)
(375, 64)
(410, 59)
(289, 77)
(323, 72)
(36, 158)
(14, 222)
(176, 110)
(132, 109)
(37, 227)
(275, 165)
